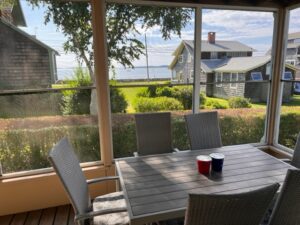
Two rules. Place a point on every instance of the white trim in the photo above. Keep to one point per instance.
(218, 74)
(234, 85)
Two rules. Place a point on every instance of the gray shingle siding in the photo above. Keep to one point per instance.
(23, 63)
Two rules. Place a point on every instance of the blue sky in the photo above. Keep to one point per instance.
(251, 28)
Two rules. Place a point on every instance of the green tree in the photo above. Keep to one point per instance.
(122, 22)
(6, 3)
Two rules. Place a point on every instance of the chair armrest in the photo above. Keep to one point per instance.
(99, 213)
(176, 150)
(286, 160)
(136, 154)
(97, 180)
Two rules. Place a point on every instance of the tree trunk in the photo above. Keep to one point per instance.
(93, 103)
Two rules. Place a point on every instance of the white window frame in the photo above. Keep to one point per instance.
(252, 73)
(191, 77)
(233, 85)
(214, 55)
(180, 58)
(217, 80)
(189, 58)
(291, 61)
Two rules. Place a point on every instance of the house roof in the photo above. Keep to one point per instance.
(17, 14)
(293, 45)
(245, 64)
(294, 35)
(221, 46)
(28, 36)
(218, 46)
(208, 65)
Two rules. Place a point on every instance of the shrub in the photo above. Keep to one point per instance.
(165, 91)
(143, 104)
(149, 92)
(185, 96)
(77, 102)
(239, 102)
(117, 100)
(215, 104)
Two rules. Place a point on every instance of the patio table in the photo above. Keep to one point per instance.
(156, 187)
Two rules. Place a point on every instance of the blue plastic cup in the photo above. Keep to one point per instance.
(217, 161)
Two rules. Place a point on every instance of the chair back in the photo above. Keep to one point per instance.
(154, 135)
(234, 209)
(203, 130)
(287, 207)
(296, 156)
(66, 165)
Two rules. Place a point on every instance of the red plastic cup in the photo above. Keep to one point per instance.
(204, 162)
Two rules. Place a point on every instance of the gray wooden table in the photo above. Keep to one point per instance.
(156, 187)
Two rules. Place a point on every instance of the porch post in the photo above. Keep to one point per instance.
(281, 22)
(197, 59)
(102, 81)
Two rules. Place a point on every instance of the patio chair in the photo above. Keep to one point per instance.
(106, 209)
(203, 130)
(153, 133)
(295, 161)
(234, 209)
(287, 207)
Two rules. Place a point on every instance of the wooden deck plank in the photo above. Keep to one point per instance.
(5, 220)
(19, 219)
(33, 217)
(48, 216)
(71, 217)
(62, 215)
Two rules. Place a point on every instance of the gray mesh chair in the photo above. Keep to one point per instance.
(153, 133)
(296, 156)
(287, 207)
(234, 209)
(203, 130)
(107, 209)
(295, 161)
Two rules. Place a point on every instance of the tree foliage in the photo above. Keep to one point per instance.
(123, 22)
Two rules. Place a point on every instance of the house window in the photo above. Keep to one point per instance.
(180, 59)
(288, 75)
(189, 58)
(256, 76)
(213, 55)
(191, 75)
(268, 69)
(219, 78)
(233, 78)
(291, 62)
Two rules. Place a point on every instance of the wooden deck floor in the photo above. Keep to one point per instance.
(62, 215)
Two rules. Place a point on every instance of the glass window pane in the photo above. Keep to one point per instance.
(46, 88)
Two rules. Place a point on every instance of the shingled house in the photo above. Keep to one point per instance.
(223, 62)
(25, 62)
(182, 65)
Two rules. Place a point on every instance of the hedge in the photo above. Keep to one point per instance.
(27, 149)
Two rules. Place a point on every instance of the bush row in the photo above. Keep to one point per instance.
(149, 98)
(27, 149)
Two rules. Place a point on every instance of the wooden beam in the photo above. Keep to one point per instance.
(102, 81)
(197, 59)
(280, 34)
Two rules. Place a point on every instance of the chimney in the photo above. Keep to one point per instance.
(211, 37)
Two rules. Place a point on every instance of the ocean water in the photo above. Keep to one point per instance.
(122, 73)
